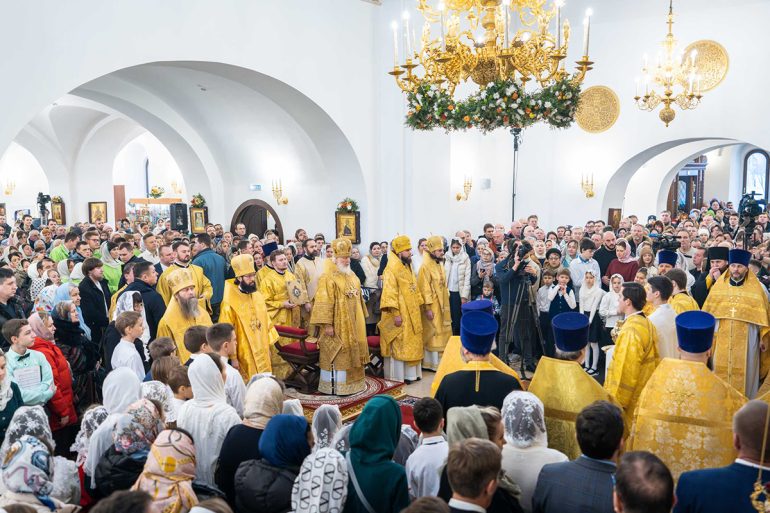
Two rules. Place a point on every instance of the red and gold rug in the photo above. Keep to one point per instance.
(350, 405)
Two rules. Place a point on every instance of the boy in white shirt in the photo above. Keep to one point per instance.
(222, 340)
(424, 465)
(543, 305)
(130, 326)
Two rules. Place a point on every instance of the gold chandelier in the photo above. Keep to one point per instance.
(674, 73)
(485, 41)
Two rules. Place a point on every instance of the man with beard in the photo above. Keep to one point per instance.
(714, 267)
(183, 310)
(604, 255)
(401, 321)
(339, 311)
(308, 270)
(274, 286)
(436, 315)
(739, 302)
(203, 288)
(244, 307)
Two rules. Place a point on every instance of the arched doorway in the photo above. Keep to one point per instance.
(258, 217)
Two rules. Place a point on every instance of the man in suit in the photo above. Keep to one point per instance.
(144, 282)
(95, 298)
(584, 484)
(729, 488)
(643, 483)
(473, 467)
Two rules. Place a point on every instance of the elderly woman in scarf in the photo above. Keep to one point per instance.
(169, 472)
(322, 483)
(80, 353)
(32, 420)
(484, 423)
(133, 435)
(28, 474)
(264, 486)
(484, 269)
(526, 450)
(69, 292)
(92, 419)
(113, 269)
(263, 401)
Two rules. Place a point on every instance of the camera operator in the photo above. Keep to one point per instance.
(517, 275)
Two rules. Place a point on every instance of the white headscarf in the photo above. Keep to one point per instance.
(327, 420)
(92, 419)
(121, 388)
(6, 392)
(76, 276)
(293, 407)
(64, 271)
(591, 297)
(263, 401)
(524, 420)
(322, 483)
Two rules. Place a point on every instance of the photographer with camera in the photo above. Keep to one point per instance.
(518, 276)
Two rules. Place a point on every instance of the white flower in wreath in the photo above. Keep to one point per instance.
(510, 91)
(496, 96)
(520, 111)
(547, 105)
(568, 95)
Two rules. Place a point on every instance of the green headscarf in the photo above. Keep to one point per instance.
(373, 441)
(465, 422)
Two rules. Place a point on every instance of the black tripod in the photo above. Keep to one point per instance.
(514, 317)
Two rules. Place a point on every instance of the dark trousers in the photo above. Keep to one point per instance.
(545, 329)
(517, 335)
(215, 312)
(456, 310)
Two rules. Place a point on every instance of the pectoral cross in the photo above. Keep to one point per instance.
(732, 311)
(253, 325)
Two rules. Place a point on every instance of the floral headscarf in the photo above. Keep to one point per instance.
(27, 420)
(28, 468)
(39, 328)
(92, 419)
(160, 392)
(46, 299)
(137, 429)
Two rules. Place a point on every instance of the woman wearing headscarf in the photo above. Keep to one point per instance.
(61, 407)
(32, 420)
(92, 419)
(133, 435)
(76, 275)
(10, 397)
(262, 402)
(69, 292)
(526, 443)
(46, 299)
(207, 416)
(375, 480)
(113, 269)
(28, 475)
(625, 264)
(169, 472)
(64, 270)
(293, 407)
(483, 269)
(79, 352)
(322, 483)
(264, 486)
(161, 394)
(484, 423)
(121, 388)
(327, 420)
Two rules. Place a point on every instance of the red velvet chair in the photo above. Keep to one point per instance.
(302, 356)
(376, 365)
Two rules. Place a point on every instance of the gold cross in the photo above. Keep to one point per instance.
(253, 324)
(732, 311)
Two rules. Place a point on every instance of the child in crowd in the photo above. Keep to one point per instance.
(641, 276)
(179, 383)
(223, 341)
(591, 295)
(160, 347)
(609, 308)
(195, 342)
(27, 368)
(583, 263)
(543, 307)
(424, 465)
(130, 326)
(561, 295)
(488, 293)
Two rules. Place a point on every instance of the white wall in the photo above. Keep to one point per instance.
(129, 169)
(18, 165)
(716, 178)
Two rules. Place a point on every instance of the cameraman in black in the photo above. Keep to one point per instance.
(516, 275)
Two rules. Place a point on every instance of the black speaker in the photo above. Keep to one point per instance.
(178, 216)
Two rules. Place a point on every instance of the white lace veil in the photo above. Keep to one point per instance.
(524, 420)
(327, 420)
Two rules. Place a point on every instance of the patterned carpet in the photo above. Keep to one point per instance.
(350, 405)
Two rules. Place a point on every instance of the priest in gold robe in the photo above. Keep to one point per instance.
(436, 316)
(281, 307)
(562, 384)
(340, 313)
(401, 319)
(244, 307)
(308, 270)
(203, 288)
(636, 351)
(685, 411)
(183, 310)
(739, 302)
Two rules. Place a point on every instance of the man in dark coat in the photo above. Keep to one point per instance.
(95, 298)
(10, 306)
(145, 279)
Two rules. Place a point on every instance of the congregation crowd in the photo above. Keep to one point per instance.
(586, 368)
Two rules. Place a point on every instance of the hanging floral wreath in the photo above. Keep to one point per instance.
(501, 104)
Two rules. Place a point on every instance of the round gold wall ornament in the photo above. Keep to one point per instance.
(712, 62)
(598, 110)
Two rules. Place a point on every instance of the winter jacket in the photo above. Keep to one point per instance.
(117, 471)
(154, 306)
(62, 403)
(263, 488)
(463, 274)
(11, 310)
(94, 303)
(13, 404)
(214, 268)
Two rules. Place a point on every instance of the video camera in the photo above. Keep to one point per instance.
(666, 241)
(750, 208)
(43, 199)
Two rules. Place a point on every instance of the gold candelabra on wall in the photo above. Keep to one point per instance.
(278, 193)
(175, 187)
(10, 187)
(587, 184)
(467, 186)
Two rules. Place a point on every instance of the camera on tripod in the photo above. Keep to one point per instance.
(750, 208)
(43, 199)
(666, 241)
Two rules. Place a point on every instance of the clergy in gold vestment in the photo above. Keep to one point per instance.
(739, 302)
(636, 351)
(340, 312)
(685, 411)
(203, 288)
(562, 384)
(274, 288)
(183, 310)
(244, 308)
(436, 317)
(401, 320)
(308, 270)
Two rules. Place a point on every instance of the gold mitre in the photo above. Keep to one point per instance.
(243, 265)
(401, 243)
(342, 248)
(434, 243)
(180, 279)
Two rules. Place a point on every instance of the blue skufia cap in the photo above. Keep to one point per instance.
(739, 256)
(269, 248)
(667, 257)
(477, 331)
(480, 305)
(695, 331)
(570, 331)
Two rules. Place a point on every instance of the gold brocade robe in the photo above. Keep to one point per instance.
(683, 302)
(203, 289)
(736, 307)
(274, 289)
(633, 362)
(173, 324)
(565, 389)
(685, 417)
(253, 329)
(452, 361)
(400, 297)
(338, 303)
(308, 274)
(114, 302)
(431, 282)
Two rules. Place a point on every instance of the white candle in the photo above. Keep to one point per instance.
(441, 8)
(394, 27)
(646, 62)
(692, 80)
(559, 5)
(637, 86)
(505, 10)
(587, 23)
(692, 57)
(407, 42)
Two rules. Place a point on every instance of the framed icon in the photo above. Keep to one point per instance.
(614, 215)
(198, 219)
(97, 211)
(58, 213)
(348, 226)
(2, 209)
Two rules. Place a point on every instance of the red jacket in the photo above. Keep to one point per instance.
(62, 404)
